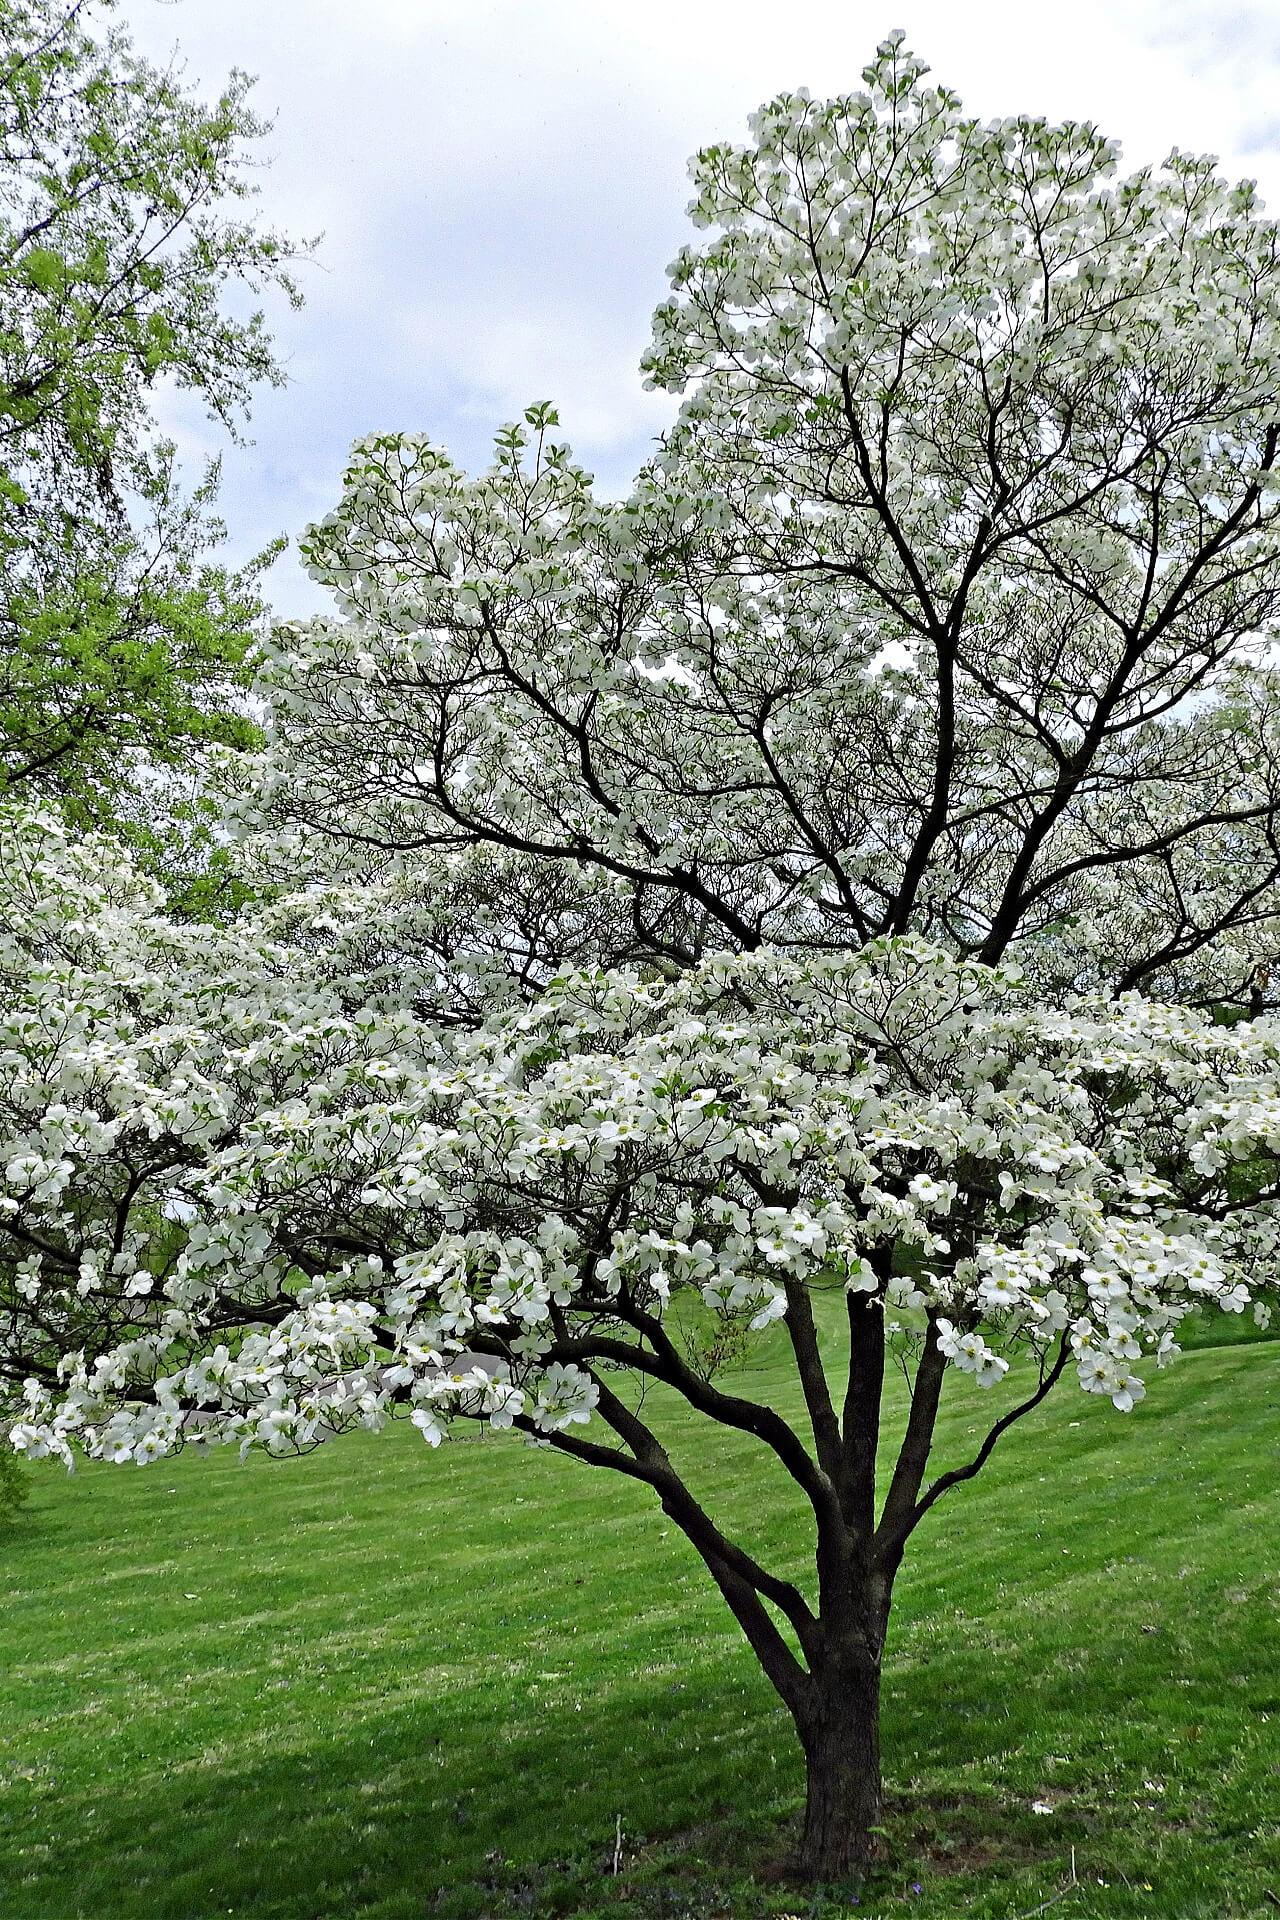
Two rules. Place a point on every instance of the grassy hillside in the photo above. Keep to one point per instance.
(387, 1684)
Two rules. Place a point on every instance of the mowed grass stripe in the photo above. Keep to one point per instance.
(413, 1684)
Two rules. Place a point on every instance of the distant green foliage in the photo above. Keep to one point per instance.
(121, 230)
(14, 1485)
(1209, 1328)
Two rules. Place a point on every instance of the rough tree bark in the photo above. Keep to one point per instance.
(841, 1741)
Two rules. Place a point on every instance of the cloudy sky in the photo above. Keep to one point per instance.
(500, 183)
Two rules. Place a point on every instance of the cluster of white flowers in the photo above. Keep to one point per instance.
(237, 1208)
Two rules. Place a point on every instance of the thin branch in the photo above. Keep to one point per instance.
(947, 1480)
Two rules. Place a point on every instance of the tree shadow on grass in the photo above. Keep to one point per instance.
(483, 1802)
(408, 1811)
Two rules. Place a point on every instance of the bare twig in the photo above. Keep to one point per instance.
(1054, 1898)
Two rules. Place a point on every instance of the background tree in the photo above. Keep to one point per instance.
(827, 802)
(121, 640)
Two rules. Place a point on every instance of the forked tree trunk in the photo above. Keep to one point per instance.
(842, 1753)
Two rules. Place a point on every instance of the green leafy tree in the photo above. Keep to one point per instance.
(123, 228)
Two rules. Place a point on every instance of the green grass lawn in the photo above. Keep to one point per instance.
(392, 1684)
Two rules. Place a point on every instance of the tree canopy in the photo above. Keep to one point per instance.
(943, 607)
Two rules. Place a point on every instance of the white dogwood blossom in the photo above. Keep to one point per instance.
(240, 1209)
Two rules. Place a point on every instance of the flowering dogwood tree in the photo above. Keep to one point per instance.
(248, 1200)
(833, 874)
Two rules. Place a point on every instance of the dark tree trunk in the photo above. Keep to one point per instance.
(842, 1753)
